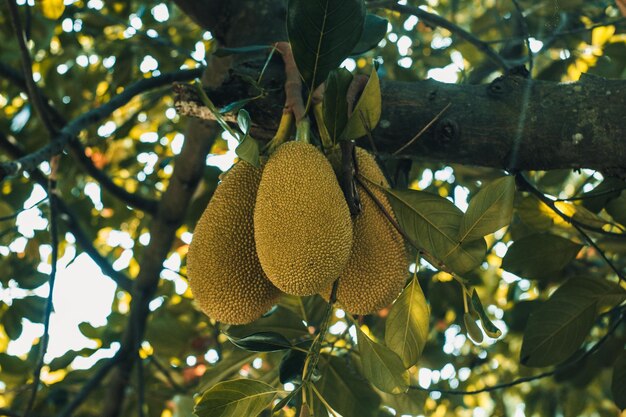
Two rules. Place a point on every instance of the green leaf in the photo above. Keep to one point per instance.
(322, 34)
(489, 210)
(374, 31)
(282, 321)
(32, 308)
(346, 391)
(490, 329)
(31, 280)
(262, 342)
(539, 255)
(12, 322)
(381, 366)
(292, 363)
(560, 325)
(618, 383)
(473, 330)
(367, 111)
(412, 402)
(236, 398)
(335, 105)
(617, 208)
(241, 50)
(406, 330)
(433, 223)
(183, 405)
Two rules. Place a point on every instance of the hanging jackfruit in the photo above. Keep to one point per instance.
(378, 265)
(302, 224)
(224, 272)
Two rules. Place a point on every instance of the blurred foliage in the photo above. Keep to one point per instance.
(95, 49)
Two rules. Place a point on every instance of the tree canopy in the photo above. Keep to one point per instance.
(498, 124)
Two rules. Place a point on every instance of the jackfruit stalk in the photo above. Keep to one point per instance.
(378, 266)
(302, 224)
(224, 272)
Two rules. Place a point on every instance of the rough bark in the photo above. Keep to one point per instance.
(512, 123)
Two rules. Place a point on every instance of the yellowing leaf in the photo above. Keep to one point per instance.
(52, 9)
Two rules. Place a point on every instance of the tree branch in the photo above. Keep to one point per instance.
(73, 224)
(33, 92)
(437, 20)
(565, 126)
(74, 127)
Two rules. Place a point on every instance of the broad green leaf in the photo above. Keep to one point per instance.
(433, 223)
(490, 329)
(489, 210)
(406, 329)
(292, 363)
(335, 105)
(374, 31)
(411, 402)
(322, 33)
(183, 405)
(367, 111)
(473, 330)
(32, 280)
(282, 321)
(381, 366)
(346, 391)
(236, 398)
(560, 325)
(241, 50)
(52, 9)
(32, 308)
(596, 199)
(13, 365)
(262, 342)
(618, 382)
(617, 208)
(12, 322)
(539, 255)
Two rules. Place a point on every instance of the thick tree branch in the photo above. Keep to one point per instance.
(74, 127)
(513, 123)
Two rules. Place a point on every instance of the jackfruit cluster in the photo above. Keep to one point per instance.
(287, 228)
(224, 272)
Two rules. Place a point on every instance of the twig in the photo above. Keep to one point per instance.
(74, 127)
(314, 353)
(524, 26)
(31, 87)
(67, 214)
(525, 184)
(89, 386)
(17, 213)
(542, 375)
(54, 256)
(446, 24)
(421, 132)
(154, 361)
(78, 151)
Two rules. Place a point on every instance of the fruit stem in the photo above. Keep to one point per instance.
(314, 353)
(327, 141)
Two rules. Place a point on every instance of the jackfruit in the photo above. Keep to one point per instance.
(302, 224)
(224, 272)
(378, 267)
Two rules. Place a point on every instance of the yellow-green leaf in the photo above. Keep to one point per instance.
(239, 397)
(52, 9)
(406, 330)
(381, 366)
(366, 113)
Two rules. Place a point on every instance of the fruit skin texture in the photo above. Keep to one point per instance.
(225, 275)
(378, 266)
(302, 224)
